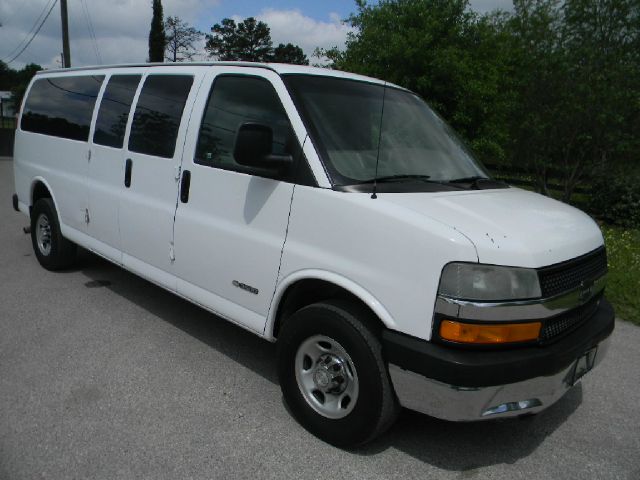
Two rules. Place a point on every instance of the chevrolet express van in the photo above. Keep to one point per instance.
(334, 214)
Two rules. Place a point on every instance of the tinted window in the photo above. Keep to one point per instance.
(235, 100)
(61, 106)
(114, 110)
(158, 113)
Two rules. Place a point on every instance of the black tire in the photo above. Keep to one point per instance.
(376, 406)
(61, 253)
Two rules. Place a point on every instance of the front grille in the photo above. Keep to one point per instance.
(564, 323)
(566, 276)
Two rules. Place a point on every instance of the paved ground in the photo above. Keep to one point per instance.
(103, 375)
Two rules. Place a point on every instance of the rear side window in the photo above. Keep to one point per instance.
(158, 112)
(235, 100)
(61, 106)
(114, 110)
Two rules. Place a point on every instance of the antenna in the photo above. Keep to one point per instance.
(375, 176)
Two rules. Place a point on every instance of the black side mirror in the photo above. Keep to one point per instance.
(253, 147)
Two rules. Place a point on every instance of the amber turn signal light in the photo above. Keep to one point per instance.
(489, 334)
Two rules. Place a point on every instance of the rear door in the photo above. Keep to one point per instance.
(151, 171)
(230, 231)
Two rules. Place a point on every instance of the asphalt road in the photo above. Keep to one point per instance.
(104, 375)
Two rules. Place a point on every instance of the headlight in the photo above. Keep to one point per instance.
(473, 281)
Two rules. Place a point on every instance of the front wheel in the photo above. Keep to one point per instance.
(52, 250)
(332, 374)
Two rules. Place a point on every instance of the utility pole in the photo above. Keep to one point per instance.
(66, 53)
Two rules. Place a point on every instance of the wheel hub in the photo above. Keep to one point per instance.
(330, 375)
(326, 376)
(43, 234)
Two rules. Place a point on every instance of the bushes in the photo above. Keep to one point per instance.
(616, 200)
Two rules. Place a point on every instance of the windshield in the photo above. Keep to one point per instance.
(343, 119)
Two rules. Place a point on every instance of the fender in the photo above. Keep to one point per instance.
(331, 277)
(35, 180)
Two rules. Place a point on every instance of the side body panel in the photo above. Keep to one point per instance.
(61, 162)
(392, 255)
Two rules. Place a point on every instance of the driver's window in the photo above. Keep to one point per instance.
(235, 100)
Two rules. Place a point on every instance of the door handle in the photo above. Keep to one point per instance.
(127, 172)
(184, 186)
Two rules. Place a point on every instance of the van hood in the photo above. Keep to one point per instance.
(509, 226)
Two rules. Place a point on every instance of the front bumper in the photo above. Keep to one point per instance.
(466, 385)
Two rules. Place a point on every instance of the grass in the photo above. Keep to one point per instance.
(623, 282)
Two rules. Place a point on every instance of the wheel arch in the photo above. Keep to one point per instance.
(310, 286)
(40, 188)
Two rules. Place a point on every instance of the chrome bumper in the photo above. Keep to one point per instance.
(449, 402)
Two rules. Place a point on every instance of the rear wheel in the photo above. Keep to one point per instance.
(52, 250)
(332, 374)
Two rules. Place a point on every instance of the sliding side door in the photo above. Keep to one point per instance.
(151, 171)
(106, 163)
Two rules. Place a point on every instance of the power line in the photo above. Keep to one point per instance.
(31, 30)
(34, 34)
(92, 32)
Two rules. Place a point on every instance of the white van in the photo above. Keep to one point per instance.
(333, 213)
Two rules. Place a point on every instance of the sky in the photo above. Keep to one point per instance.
(121, 27)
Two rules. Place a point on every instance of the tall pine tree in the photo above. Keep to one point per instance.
(157, 38)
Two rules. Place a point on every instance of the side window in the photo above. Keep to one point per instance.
(235, 100)
(158, 112)
(114, 110)
(62, 106)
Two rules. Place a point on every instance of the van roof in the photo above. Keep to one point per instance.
(279, 68)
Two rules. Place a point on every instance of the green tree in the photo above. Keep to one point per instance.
(441, 50)
(16, 81)
(181, 39)
(537, 76)
(575, 69)
(249, 40)
(157, 39)
(602, 42)
(329, 57)
(6, 76)
(289, 53)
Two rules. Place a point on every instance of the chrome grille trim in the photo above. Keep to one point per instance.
(521, 309)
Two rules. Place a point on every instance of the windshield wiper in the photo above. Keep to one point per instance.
(475, 179)
(391, 178)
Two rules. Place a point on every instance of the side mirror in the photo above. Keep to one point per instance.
(253, 147)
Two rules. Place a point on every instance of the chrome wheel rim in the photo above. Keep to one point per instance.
(326, 377)
(43, 234)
